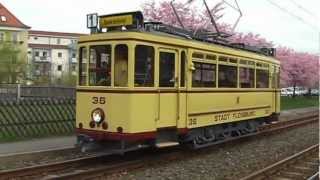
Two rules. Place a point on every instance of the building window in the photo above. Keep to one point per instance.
(2, 35)
(58, 41)
(59, 67)
(15, 37)
(60, 55)
(44, 54)
(73, 55)
(36, 54)
(73, 68)
(3, 18)
(204, 75)
(144, 66)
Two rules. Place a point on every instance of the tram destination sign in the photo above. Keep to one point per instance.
(115, 21)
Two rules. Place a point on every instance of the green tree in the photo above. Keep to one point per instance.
(67, 79)
(12, 64)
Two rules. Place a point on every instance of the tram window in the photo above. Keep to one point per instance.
(121, 65)
(251, 63)
(243, 61)
(262, 78)
(204, 75)
(198, 55)
(144, 66)
(211, 57)
(100, 65)
(223, 58)
(276, 78)
(182, 69)
(82, 66)
(227, 76)
(246, 77)
(232, 60)
(166, 69)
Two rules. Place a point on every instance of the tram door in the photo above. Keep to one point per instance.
(168, 81)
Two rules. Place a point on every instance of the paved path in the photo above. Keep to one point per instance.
(293, 113)
(43, 144)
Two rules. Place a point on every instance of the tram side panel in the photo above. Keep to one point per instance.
(206, 109)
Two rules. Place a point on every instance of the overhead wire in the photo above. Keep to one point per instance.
(293, 15)
(305, 10)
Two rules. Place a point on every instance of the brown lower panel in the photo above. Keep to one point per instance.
(103, 135)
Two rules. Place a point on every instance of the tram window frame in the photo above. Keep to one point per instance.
(247, 80)
(202, 72)
(275, 82)
(225, 69)
(262, 78)
(183, 60)
(211, 57)
(100, 66)
(198, 55)
(223, 59)
(82, 66)
(147, 55)
(167, 68)
(233, 60)
(121, 60)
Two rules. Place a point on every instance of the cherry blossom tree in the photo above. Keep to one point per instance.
(297, 68)
(192, 17)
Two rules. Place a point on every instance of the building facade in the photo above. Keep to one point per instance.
(52, 55)
(13, 47)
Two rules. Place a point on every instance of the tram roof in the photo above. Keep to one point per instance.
(173, 40)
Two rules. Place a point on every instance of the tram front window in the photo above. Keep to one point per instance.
(100, 65)
(144, 66)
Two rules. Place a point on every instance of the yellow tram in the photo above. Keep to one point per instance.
(148, 84)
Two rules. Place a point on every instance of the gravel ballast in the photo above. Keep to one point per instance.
(232, 161)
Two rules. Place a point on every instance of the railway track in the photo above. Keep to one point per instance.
(302, 165)
(103, 164)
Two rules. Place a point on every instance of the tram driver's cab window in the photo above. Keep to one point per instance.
(83, 66)
(121, 65)
(100, 65)
(144, 66)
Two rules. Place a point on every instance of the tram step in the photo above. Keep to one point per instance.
(167, 144)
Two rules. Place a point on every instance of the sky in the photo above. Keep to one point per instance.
(296, 24)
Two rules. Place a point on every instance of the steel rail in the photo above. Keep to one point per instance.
(56, 169)
(270, 171)
(95, 173)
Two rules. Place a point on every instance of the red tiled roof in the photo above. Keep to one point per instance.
(11, 20)
(50, 33)
(47, 46)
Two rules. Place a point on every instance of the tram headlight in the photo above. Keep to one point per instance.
(97, 115)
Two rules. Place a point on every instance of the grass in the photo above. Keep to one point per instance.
(298, 102)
